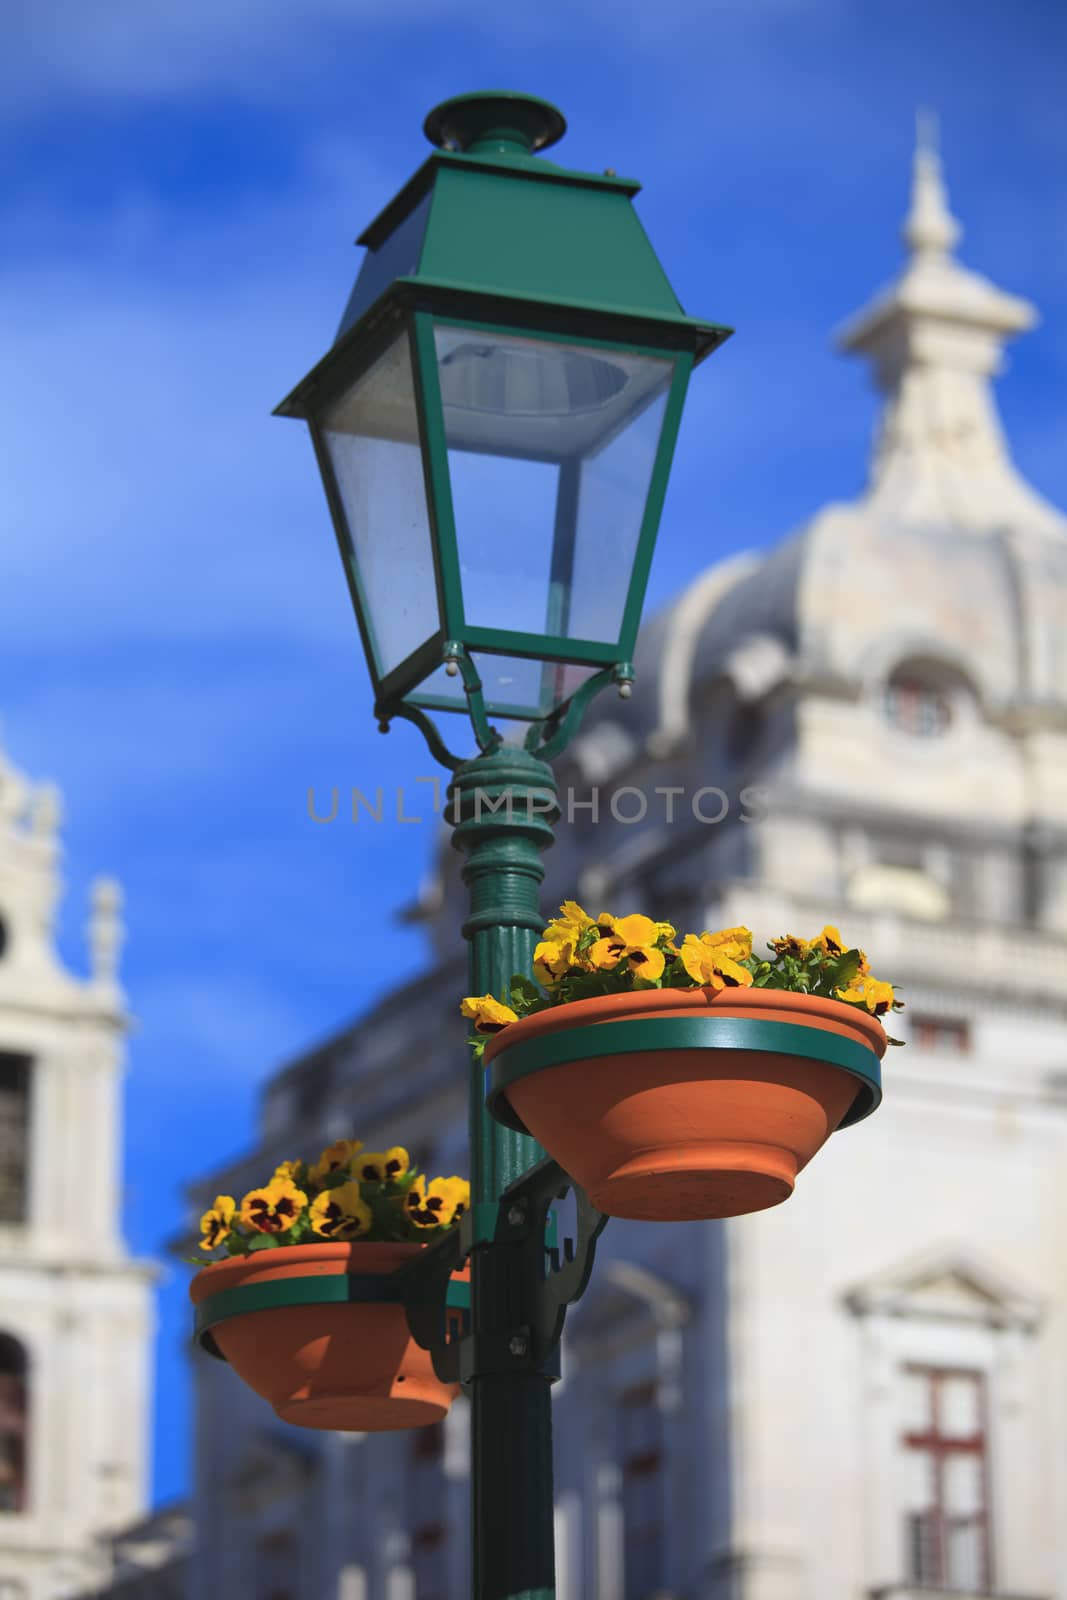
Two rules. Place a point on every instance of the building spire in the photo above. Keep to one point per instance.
(935, 338)
(930, 229)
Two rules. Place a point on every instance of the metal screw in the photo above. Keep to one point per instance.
(518, 1344)
(452, 667)
(625, 690)
(516, 1216)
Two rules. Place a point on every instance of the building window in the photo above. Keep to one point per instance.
(14, 1135)
(641, 1459)
(917, 707)
(947, 1035)
(14, 1424)
(947, 1522)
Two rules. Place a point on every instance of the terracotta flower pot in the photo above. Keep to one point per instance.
(318, 1340)
(679, 1104)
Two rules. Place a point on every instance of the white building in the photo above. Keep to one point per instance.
(862, 1392)
(75, 1310)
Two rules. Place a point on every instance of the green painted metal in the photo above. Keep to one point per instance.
(504, 806)
(421, 662)
(542, 646)
(498, 230)
(495, 119)
(550, 737)
(664, 1034)
(429, 730)
(538, 314)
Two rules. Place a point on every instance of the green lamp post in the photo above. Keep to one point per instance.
(494, 425)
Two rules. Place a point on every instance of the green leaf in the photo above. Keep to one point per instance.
(524, 992)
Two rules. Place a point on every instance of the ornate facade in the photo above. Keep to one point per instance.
(75, 1310)
(863, 1392)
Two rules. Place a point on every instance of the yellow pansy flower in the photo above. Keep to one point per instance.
(632, 940)
(375, 1166)
(552, 959)
(289, 1169)
(487, 1013)
(867, 991)
(216, 1223)
(713, 966)
(335, 1158)
(556, 951)
(790, 945)
(275, 1208)
(572, 915)
(434, 1205)
(461, 1196)
(830, 941)
(341, 1213)
(733, 942)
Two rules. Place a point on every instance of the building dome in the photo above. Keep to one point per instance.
(962, 564)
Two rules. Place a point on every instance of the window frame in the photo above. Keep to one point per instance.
(939, 1447)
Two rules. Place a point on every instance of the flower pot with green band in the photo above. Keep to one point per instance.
(320, 1332)
(675, 1105)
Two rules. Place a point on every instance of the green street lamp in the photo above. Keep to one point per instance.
(494, 425)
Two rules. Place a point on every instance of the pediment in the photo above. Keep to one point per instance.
(948, 1286)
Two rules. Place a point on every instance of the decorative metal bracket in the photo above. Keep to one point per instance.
(546, 738)
(550, 737)
(523, 1284)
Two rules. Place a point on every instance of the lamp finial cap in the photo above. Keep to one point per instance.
(495, 122)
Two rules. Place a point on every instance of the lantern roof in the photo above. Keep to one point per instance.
(488, 228)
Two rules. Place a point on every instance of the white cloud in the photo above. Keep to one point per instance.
(247, 49)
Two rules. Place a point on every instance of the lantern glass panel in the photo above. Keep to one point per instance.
(514, 686)
(551, 450)
(371, 439)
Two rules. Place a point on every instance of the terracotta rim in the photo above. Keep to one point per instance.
(331, 1257)
(813, 1010)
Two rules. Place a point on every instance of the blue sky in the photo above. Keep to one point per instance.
(180, 185)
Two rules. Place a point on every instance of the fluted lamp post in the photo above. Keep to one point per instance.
(494, 425)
